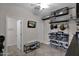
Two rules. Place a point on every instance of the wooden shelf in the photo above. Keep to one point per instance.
(59, 21)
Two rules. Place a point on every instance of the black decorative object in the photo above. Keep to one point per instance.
(53, 26)
(61, 12)
(62, 27)
(31, 24)
(2, 38)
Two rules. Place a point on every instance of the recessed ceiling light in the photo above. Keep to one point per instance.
(43, 5)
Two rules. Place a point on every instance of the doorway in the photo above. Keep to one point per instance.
(14, 35)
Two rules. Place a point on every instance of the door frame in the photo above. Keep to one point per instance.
(21, 31)
(20, 34)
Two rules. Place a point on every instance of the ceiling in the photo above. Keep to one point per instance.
(35, 8)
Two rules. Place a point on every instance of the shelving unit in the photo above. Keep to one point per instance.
(59, 39)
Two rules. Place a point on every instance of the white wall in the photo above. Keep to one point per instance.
(31, 34)
(46, 32)
(2, 25)
(72, 29)
(17, 12)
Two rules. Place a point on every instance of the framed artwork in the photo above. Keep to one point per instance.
(31, 24)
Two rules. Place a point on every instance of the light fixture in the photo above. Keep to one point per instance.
(44, 5)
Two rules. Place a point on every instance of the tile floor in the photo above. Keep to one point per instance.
(44, 50)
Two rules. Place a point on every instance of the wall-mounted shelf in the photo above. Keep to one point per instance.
(57, 13)
(59, 21)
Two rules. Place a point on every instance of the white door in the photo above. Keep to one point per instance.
(19, 34)
(11, 32)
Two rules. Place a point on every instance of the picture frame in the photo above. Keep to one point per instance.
(31, 24)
